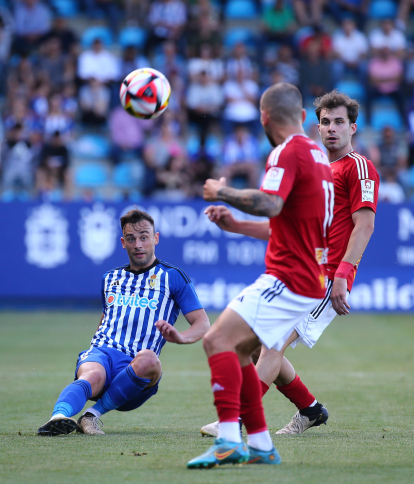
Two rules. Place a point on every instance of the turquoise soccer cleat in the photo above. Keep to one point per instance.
(222, 452)
(257, 456)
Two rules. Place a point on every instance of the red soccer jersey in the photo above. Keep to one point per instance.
(356, 186)
(298, 171)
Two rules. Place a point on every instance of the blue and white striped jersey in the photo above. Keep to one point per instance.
(134, 301)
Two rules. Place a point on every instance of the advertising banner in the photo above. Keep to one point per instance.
(56, 254)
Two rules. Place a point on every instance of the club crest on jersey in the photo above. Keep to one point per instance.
(273, 179)
(133, 301)
(367, 190)
(321, 255)
(153, 281)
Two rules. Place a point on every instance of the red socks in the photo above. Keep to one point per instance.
(251, 408)
(297, 393)
(265, 388)
(226, 382)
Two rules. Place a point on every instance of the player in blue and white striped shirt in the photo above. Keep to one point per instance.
(141, 302)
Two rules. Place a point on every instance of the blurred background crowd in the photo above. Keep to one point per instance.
(64, 135)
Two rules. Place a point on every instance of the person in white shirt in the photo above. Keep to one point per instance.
(388, 36)
(98, 63)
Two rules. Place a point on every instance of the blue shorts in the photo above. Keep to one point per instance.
(114, 362)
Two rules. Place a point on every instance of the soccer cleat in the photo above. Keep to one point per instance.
(211, 430)
(300, 423)
(57, 426)
(222, 452)
(257, 456)
(88, 423)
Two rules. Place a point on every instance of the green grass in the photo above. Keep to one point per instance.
(362, 370)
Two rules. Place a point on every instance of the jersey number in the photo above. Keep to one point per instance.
(329, 204)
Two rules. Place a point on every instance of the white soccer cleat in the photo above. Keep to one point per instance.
(300, 423)
(88, 423)
(210, 430)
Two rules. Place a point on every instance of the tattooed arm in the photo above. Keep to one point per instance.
(254, 202)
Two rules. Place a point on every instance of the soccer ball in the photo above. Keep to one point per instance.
(145, 93)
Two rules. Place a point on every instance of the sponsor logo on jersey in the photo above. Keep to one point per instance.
(367, 190)
(273, 179)
(133, 301)
(321, 255)
(153, 281)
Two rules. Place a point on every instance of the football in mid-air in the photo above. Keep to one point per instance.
(145, 93)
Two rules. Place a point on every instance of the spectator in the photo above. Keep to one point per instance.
(169, 60)
(390, 153)
(52, 176)
(341, 9)
(320, 37)
(69, 99)
(404, 8)
(33, 21)
(314, 73)
(21, 115)
(390, 190)
(240, 60)
(108, 8)
(167, 19)
(278, 23)
(39, 101)
(387, 36)
(205, 28)
(94, 102)
(241, 159)
(6, 34)
(173, 182)
(205, 62)
(57, 119)
(22, 75)
(307, 12)
(385, 75)
(287, 65)
(131, 60)
(98, 63)
(16, 162)
(127, 134)
(66, 35)
(350, 48)
(52, 65)
(204, 101)
(201, 168)
(241, 101)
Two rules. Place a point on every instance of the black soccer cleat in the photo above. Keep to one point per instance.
(57, 426)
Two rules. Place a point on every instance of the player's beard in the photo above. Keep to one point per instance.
(269, 136)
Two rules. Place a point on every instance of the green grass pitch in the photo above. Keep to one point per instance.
(362, 370)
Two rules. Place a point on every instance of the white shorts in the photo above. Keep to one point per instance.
(272, 310)
(311, 327)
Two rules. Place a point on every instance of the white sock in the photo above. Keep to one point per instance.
(314, 403)
(229, 431)
(58, 415)
(93, 411)
(260, 441)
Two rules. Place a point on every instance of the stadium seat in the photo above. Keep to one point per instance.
(386, 117)
(91, 33)
(132, 36)
(91, 146)
(239, 34)
(128, 174)
(91, 175)
(380, 9)
(240, 9)
(214, 146)
(354, 89)
(65, 8)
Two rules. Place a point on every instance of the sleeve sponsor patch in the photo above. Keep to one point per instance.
(367, 190)
(273, 178)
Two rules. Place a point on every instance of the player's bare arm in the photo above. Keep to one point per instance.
(249, 201)
(363, 219)
(223, 218)
(199, 325)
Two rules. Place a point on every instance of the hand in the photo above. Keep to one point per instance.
(338, 296)
(211, 188)
(168, 332)
(222, 217)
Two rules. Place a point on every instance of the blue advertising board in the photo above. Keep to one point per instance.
(52, 254)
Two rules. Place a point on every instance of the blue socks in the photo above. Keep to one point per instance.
(73, 398)
(124, 387)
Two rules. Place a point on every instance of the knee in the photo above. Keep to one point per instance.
(209, 342)
(147, 365)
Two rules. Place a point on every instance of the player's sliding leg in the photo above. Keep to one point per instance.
(141, 375)
(310, 413)
(236, 390)
(72, 399)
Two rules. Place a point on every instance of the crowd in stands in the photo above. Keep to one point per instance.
(64, 135)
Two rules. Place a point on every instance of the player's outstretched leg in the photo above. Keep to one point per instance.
(70, 402)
